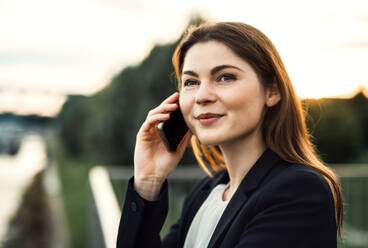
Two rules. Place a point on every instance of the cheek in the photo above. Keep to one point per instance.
(185, 107)
(247, 103)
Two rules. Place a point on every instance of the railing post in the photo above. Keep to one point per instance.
(106, 204)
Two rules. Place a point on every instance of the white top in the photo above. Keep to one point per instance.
(206, 219)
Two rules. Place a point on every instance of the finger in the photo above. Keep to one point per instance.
(169, 104)
(152, 121)
(171, 99)
(163, 109)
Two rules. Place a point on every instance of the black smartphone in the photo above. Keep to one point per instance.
(173, 130)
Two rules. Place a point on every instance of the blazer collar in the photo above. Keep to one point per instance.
(255, 175)
(249, 183)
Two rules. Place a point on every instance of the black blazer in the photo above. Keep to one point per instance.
(278, 204)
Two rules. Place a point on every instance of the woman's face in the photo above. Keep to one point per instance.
(221, 97)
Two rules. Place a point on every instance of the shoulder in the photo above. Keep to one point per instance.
(301, 176)
(292, 207)
(298, 182)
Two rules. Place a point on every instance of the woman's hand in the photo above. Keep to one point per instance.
(152, 162)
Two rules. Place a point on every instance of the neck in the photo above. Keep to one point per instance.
(240, 156)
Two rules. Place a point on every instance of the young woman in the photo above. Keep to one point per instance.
(269, 188)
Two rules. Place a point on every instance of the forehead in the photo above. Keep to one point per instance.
(204, 56)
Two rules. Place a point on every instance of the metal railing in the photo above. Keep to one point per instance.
(106, 206)
(354, 182)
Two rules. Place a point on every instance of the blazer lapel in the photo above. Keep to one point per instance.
(250, 182)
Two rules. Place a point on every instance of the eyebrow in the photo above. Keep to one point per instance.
(213, 70)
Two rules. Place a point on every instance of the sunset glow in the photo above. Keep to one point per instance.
(51, 49)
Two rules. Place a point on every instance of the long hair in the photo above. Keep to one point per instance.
(283, 128)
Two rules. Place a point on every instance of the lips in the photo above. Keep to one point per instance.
(208, 116)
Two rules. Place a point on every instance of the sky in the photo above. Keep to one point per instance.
(49, 49)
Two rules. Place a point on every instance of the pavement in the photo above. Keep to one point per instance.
(16, 173)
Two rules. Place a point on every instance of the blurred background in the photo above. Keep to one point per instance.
(78, 77)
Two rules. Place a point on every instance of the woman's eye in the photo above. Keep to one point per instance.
(190, 82)
(226, 77)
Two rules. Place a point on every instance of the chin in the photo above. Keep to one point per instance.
(209, 141)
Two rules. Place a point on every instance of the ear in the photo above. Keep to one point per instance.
(272, 95)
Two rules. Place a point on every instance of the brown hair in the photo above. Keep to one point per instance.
(284, 128)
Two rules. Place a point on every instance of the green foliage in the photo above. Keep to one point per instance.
(76, 198)
(72, 120)
(338, 128)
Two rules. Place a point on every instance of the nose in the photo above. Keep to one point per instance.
(205, 94)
